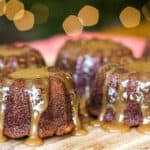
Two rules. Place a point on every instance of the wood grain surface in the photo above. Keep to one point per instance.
(97, 139)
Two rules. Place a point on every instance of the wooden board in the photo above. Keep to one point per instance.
(97, 139)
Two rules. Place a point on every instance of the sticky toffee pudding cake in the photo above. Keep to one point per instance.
(84, 57)
(38, 103)
(121, 97)
(12, 58)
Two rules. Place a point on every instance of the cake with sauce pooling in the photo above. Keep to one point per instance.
(84, 57)
(12, 58)
(39, 103)
(121, 96)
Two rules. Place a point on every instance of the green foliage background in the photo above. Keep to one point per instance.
(58, 11)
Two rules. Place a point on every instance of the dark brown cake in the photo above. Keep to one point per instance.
(38, 103)
(12, 58)
(84, 57)
(120, 96)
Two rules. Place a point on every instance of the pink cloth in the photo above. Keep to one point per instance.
(51, 46)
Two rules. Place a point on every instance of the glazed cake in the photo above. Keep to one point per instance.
(38, 103)
(84, 57)
(120, 96)
(12, 58)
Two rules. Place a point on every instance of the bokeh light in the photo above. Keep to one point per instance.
(41, 13)
(2, 7)
(26, 22)
(72, 25)
(89, 15)
(13, 8)
(19, 15)
(146, 10)
(130, 17)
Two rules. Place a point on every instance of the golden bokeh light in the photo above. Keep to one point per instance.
(88, 15)
(41, 12)
(146, 11)
(2, 7)
(72, 25)
(26, 22)
(19, 15)
(13, 8)
(130, 17)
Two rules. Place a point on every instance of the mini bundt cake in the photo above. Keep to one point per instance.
(12, 58)
(84, 57)
(120, 96)
(38, 102)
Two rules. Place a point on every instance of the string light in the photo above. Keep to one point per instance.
(89, 15)
(26, 22)
(130, 17)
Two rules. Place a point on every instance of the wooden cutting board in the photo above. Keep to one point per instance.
(97, 139)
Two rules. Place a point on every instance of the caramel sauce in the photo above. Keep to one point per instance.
(3, 94)
(139, 66)
(38, 100)
(38, 104)
(86, 125)
(117, 103)
(79, 130)
(144, 129)
(120, 103)
(34, 139)
(95, 123)
(30, 73)
(106, 46)
(83, 107)
(117, 98)
(6, 51)
(91, 46)
(2, 137)
(115, 127)
(104, 99)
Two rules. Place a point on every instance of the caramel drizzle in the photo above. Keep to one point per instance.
(119, 105)
(3, 97)
(104, 99)
(145, 126)
(38, 104)
(67, 80)
(8, 51)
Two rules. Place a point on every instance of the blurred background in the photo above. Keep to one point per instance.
(50, 14)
